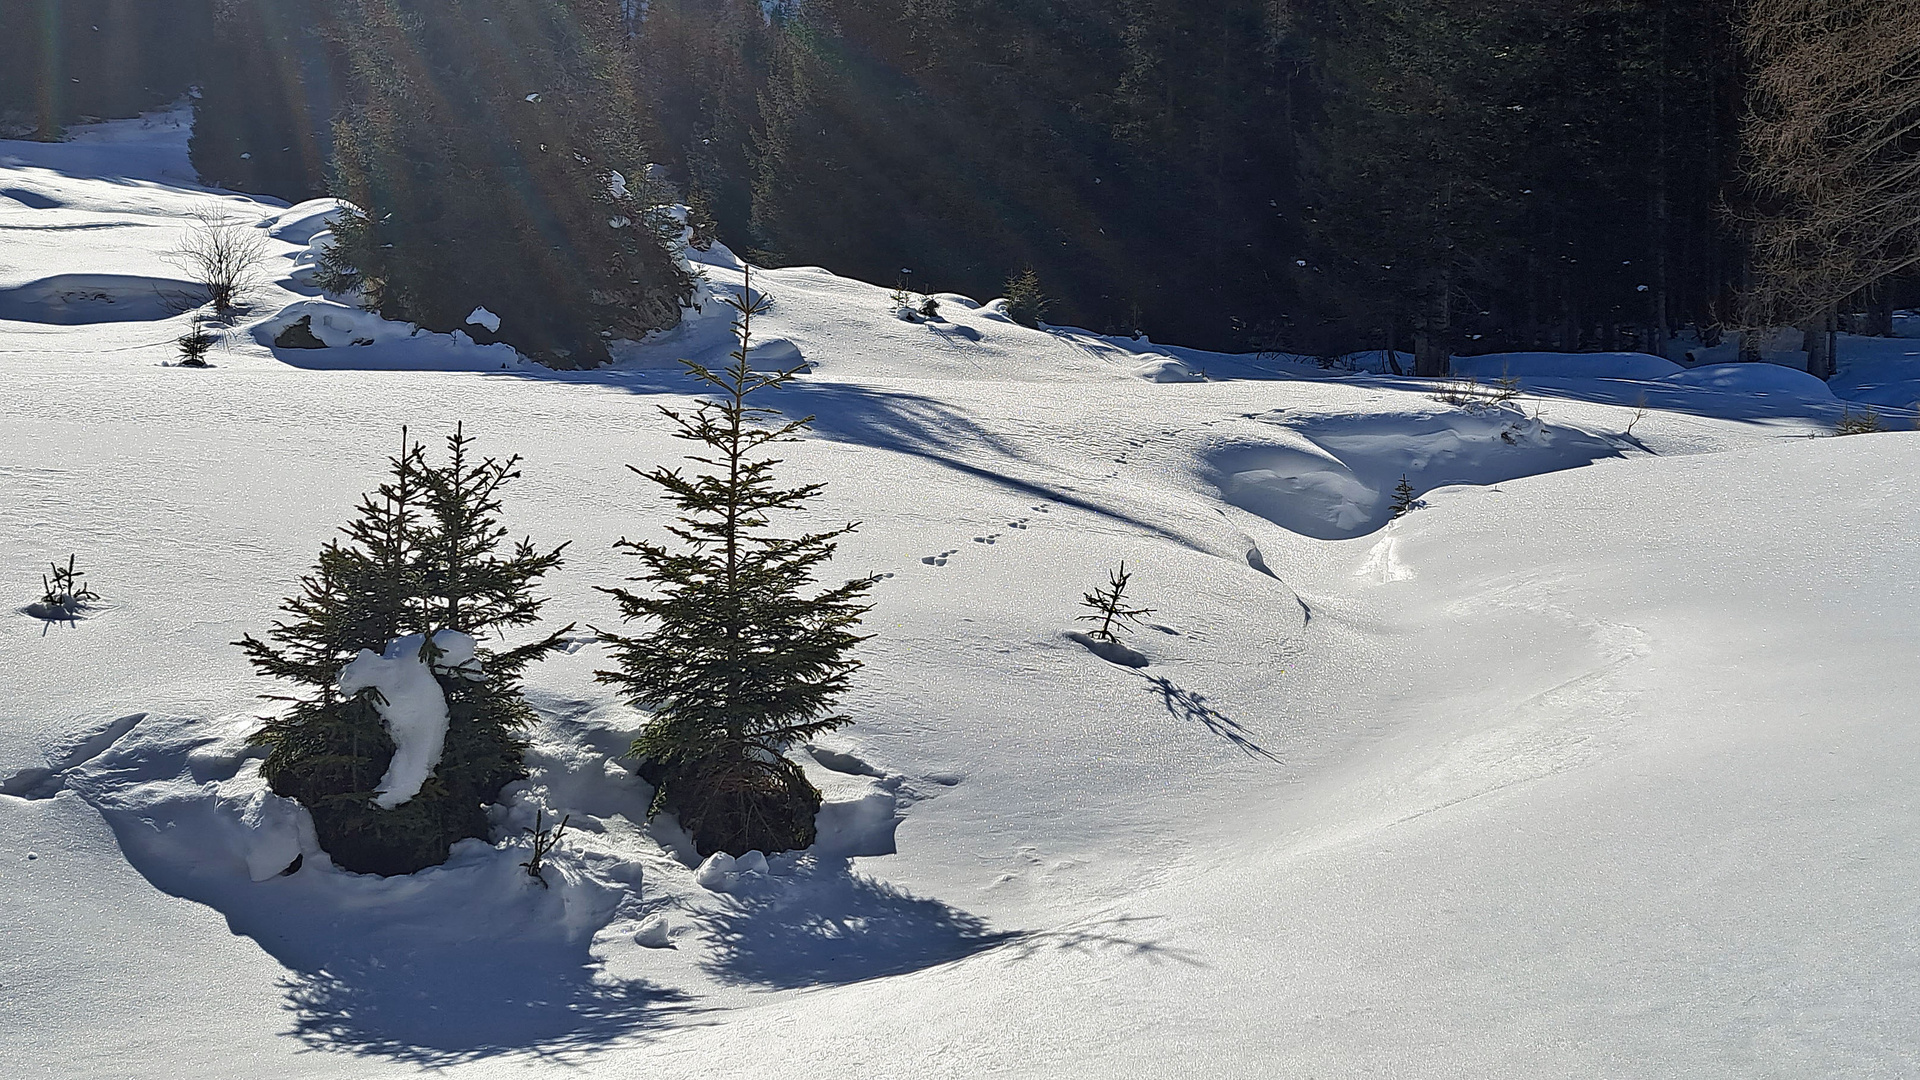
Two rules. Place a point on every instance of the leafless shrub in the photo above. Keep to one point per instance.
(223, 254)
(1832, 161)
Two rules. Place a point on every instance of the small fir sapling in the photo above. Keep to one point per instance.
(929, 308)
(66, 586)
(543, 840)
(737, 663)
(1027, 303)
(903, 306)
(1404, 499)
(425, 554)
(1109, 607)
(63, 594)
(194, 344)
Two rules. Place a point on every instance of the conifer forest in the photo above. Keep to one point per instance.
(940, 539)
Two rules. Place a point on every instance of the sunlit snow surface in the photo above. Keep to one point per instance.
(1601, 763)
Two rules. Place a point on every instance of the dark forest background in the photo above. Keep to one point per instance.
(1314, 175)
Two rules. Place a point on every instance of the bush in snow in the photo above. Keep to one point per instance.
(382, 636)
(1864, 422)
(738, 663)
(1026, 302)
(500, 167)
(223, 255)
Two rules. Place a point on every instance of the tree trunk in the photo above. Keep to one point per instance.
(1817, 338)
(1662, 215)
(1431, 326)
(1879, 310)
(52, 82)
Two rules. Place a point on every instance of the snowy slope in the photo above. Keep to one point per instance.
(1601, 763)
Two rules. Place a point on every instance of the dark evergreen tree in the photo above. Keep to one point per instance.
(493, 147)
(1027, 302)
(263, 120)
(426, 553)
(738, 663)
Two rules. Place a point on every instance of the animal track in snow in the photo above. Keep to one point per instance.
(987, 539)
(940, 559)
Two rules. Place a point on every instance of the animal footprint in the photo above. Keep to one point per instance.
(883, 575)
(987, 539)
(1021, 524)
(940, 559)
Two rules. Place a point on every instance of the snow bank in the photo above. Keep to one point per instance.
(1552, 365)
(1331, 478)
(411, 703)
(1878, 371)
(360, 340)
(1758, 379)
(300, 223)
(1168, 369)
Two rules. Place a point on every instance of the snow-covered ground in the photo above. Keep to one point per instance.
(1602, 762)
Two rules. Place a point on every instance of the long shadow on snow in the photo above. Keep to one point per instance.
(892, 420)
(829, 926)
(456, 963)
(932, 431)
(1659, 396)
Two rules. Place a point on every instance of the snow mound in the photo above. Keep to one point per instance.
(1756, 379)
(1168, 369)
(775, 354)
(411, 703)
(85, 299)
(1113, 652)
(300, 223)
(1550, 365)
(481, 317)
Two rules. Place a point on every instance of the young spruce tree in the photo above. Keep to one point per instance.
(738, 663)
(426, 553)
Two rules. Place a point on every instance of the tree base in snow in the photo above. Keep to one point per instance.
(329, 758)
(736, 806)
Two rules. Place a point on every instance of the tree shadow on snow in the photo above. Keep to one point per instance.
(830, 926)
(466, 961)
(479, 999)
(933, 431)
(1187, 705)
